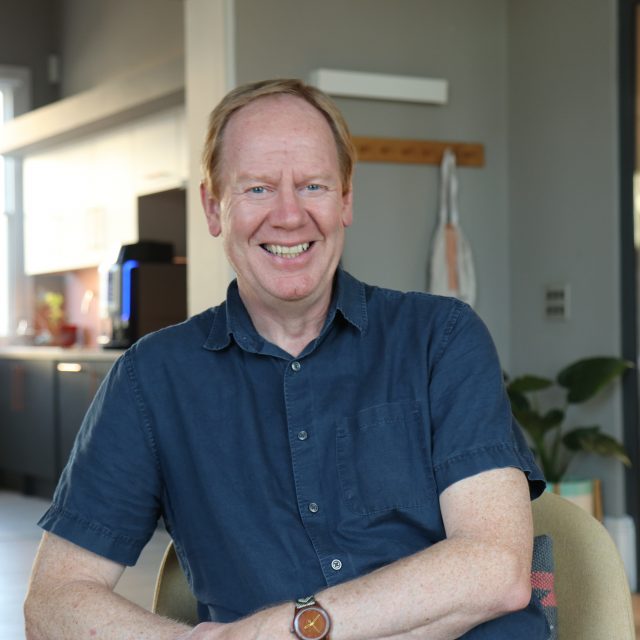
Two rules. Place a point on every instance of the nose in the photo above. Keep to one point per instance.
(288, 211)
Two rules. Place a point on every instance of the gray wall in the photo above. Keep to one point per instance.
(564, 210)
(463, 42)
(101, 40)
(28, 34)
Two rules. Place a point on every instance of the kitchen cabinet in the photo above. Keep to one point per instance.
(78, 382)
(159, 152)
(80, 198)
(57, 211)
(44, 394)
(27, 418)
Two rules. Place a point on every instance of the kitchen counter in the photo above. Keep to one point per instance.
(60, 353)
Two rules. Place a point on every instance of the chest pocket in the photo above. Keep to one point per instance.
(383, 459)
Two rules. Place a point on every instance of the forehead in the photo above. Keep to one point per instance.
(279, 122)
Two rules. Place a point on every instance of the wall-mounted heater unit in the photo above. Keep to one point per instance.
(379, 86)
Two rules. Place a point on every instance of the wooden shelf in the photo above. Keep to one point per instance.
(416, 151)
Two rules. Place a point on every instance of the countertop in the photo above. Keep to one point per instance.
(59, 353)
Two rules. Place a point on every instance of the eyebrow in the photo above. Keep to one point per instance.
(247, 177)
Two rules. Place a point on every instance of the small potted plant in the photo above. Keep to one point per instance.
(554, 446)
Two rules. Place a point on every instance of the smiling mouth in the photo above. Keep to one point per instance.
(283, 251)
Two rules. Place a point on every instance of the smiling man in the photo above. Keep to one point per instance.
(281, 206)
(332, 459)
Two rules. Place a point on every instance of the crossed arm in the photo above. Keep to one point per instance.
(481, 571)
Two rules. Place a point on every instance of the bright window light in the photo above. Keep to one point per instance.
(4, 241)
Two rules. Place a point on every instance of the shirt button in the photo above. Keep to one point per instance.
(295, 366)
(313, 507)
(302, 435)
(336, 565)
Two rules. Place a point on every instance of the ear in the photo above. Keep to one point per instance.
(347, 206)
(211, 208)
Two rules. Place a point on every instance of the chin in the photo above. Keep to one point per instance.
(295, 289)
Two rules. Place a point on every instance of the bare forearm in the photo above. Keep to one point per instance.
(439, 593)
(81, 610)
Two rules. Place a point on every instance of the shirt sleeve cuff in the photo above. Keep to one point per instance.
(497, 456)
(92, 536)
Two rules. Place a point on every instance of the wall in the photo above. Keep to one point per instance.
(101, 40)
(396, 205)
(563, 201)
(28, 34)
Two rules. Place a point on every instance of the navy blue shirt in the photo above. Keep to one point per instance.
(278, 476)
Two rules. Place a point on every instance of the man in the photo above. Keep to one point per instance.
(311, 436)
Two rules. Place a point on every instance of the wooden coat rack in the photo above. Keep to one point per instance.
(416, 151)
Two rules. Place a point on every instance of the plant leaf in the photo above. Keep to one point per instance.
(584, 378)
(591, 440)
(535, 424)
(518, 400)
(553, 418)
(525, 384)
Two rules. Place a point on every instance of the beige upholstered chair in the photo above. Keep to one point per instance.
(173, 597)
(591, 586)
(593, 596)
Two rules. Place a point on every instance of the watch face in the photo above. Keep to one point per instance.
(311, 622)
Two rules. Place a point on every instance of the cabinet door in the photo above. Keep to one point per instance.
(27, 431)
(77, 385)
(159, 151)
(58, 205)
(112, 217)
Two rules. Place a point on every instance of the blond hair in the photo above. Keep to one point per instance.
(244, 95)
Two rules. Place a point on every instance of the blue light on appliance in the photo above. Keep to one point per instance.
(127, 268)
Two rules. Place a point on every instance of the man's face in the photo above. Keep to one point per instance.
(282, 211)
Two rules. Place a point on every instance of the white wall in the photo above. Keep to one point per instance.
(564, 209)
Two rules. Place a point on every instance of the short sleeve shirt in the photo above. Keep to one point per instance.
(278, 476)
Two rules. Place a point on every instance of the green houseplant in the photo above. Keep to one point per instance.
(554, 446)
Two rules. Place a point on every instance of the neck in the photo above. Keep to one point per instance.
(289, 325)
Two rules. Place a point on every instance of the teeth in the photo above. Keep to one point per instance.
(286, 252)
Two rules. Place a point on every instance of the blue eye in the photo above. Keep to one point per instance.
(313, 187)
(257, 190)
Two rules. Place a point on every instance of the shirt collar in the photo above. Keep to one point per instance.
(350, 300)
(232, 319)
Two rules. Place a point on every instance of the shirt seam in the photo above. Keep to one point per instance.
(452, 320)
(95, 527)
(142, 409)
(464, 455)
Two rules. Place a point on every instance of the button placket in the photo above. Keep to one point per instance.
(307, 473)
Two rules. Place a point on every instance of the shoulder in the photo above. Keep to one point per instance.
(416, 307)
(417, 320)
(176, 341)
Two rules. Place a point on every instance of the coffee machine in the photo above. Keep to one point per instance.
(142, 291)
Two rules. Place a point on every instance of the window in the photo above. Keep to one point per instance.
(14, 100)
(4, 241)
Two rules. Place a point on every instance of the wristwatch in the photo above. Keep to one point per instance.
(310, 621)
